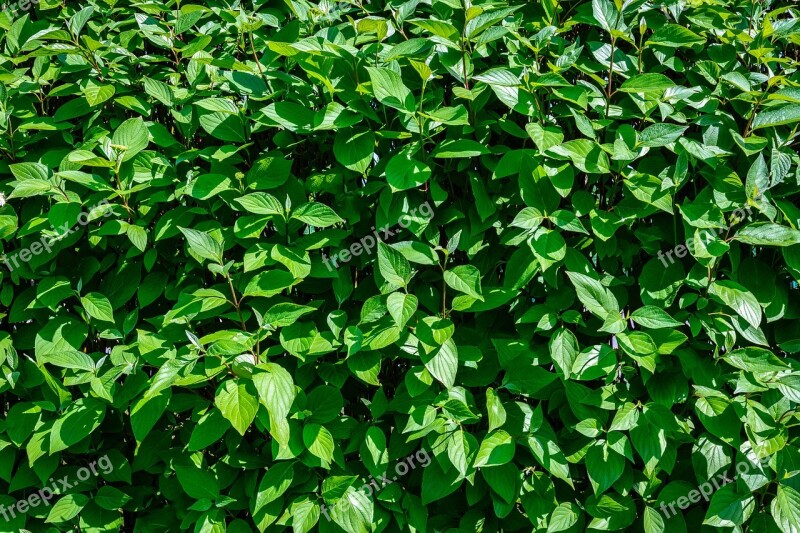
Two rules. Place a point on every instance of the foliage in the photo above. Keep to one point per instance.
(598, 313)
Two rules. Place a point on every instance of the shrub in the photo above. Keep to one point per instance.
(402, 266)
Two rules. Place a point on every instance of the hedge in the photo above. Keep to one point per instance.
(418, 266)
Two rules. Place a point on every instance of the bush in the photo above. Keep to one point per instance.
(404, 266)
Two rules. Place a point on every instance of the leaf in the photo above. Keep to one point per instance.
(238, 404)
(98, 307)
(660, 135)
(653, 317)
(466, 279)
(653, 521)
(388, 88)
(394, 268)
(739, 299)
(452, 149)
(111, 498)
(223, 126)
(354, 149)
(728, 508)
(767, 234)
(80, 419)
(785, 508)
(584, 154)
(646, 83)
(604, 467)
(316, 214)
(275, 389)
(274, 484)
(353, 512)
(674, 36)
(131, 137)
(66, 508)
(788, 114)
(319, 442)
(79, 20)
(497, 413)
(146, 411)
(203, 244)
(159, 90)
(442, 362)
(402, 307)
(403, 172)
(97, 94)
(564, 350)
(261, 203)
(496, 449)
(606, 14)
(597, 299)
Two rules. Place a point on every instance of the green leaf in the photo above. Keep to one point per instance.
(130, 138)
(238, 404)
(674, 36)
(275, 389)
(466, 279)
(66, 508)
(785, 508)
(203, 244)
(388, 88)
(319, 442)
(606, 14)
(403, 172)
(767, 234)
(453, 149)
(604, 467)
(442, 362)
(496, 449)
(394, 268)
(261, 203)
(497, 413)
(647, 83)
(597, 299)
(660, 135)
(584, 154)
(353, 512)
(402, 307)
(354, 149)
(777, 117)
(98, 307)
(739, 299)
(564, 350)
(146, 411)
(274, 484)
(653, 317)
(728, 508)
(316, 214)
(80, 419)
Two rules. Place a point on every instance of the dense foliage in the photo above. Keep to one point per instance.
(405, 266)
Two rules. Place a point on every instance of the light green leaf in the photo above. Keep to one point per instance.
(238, 403)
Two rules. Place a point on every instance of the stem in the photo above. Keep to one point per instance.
(610, 74)
(611, 63)
(444, 287)
(255, 56)
(753, 115)
(464, 65)
(237, 305)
